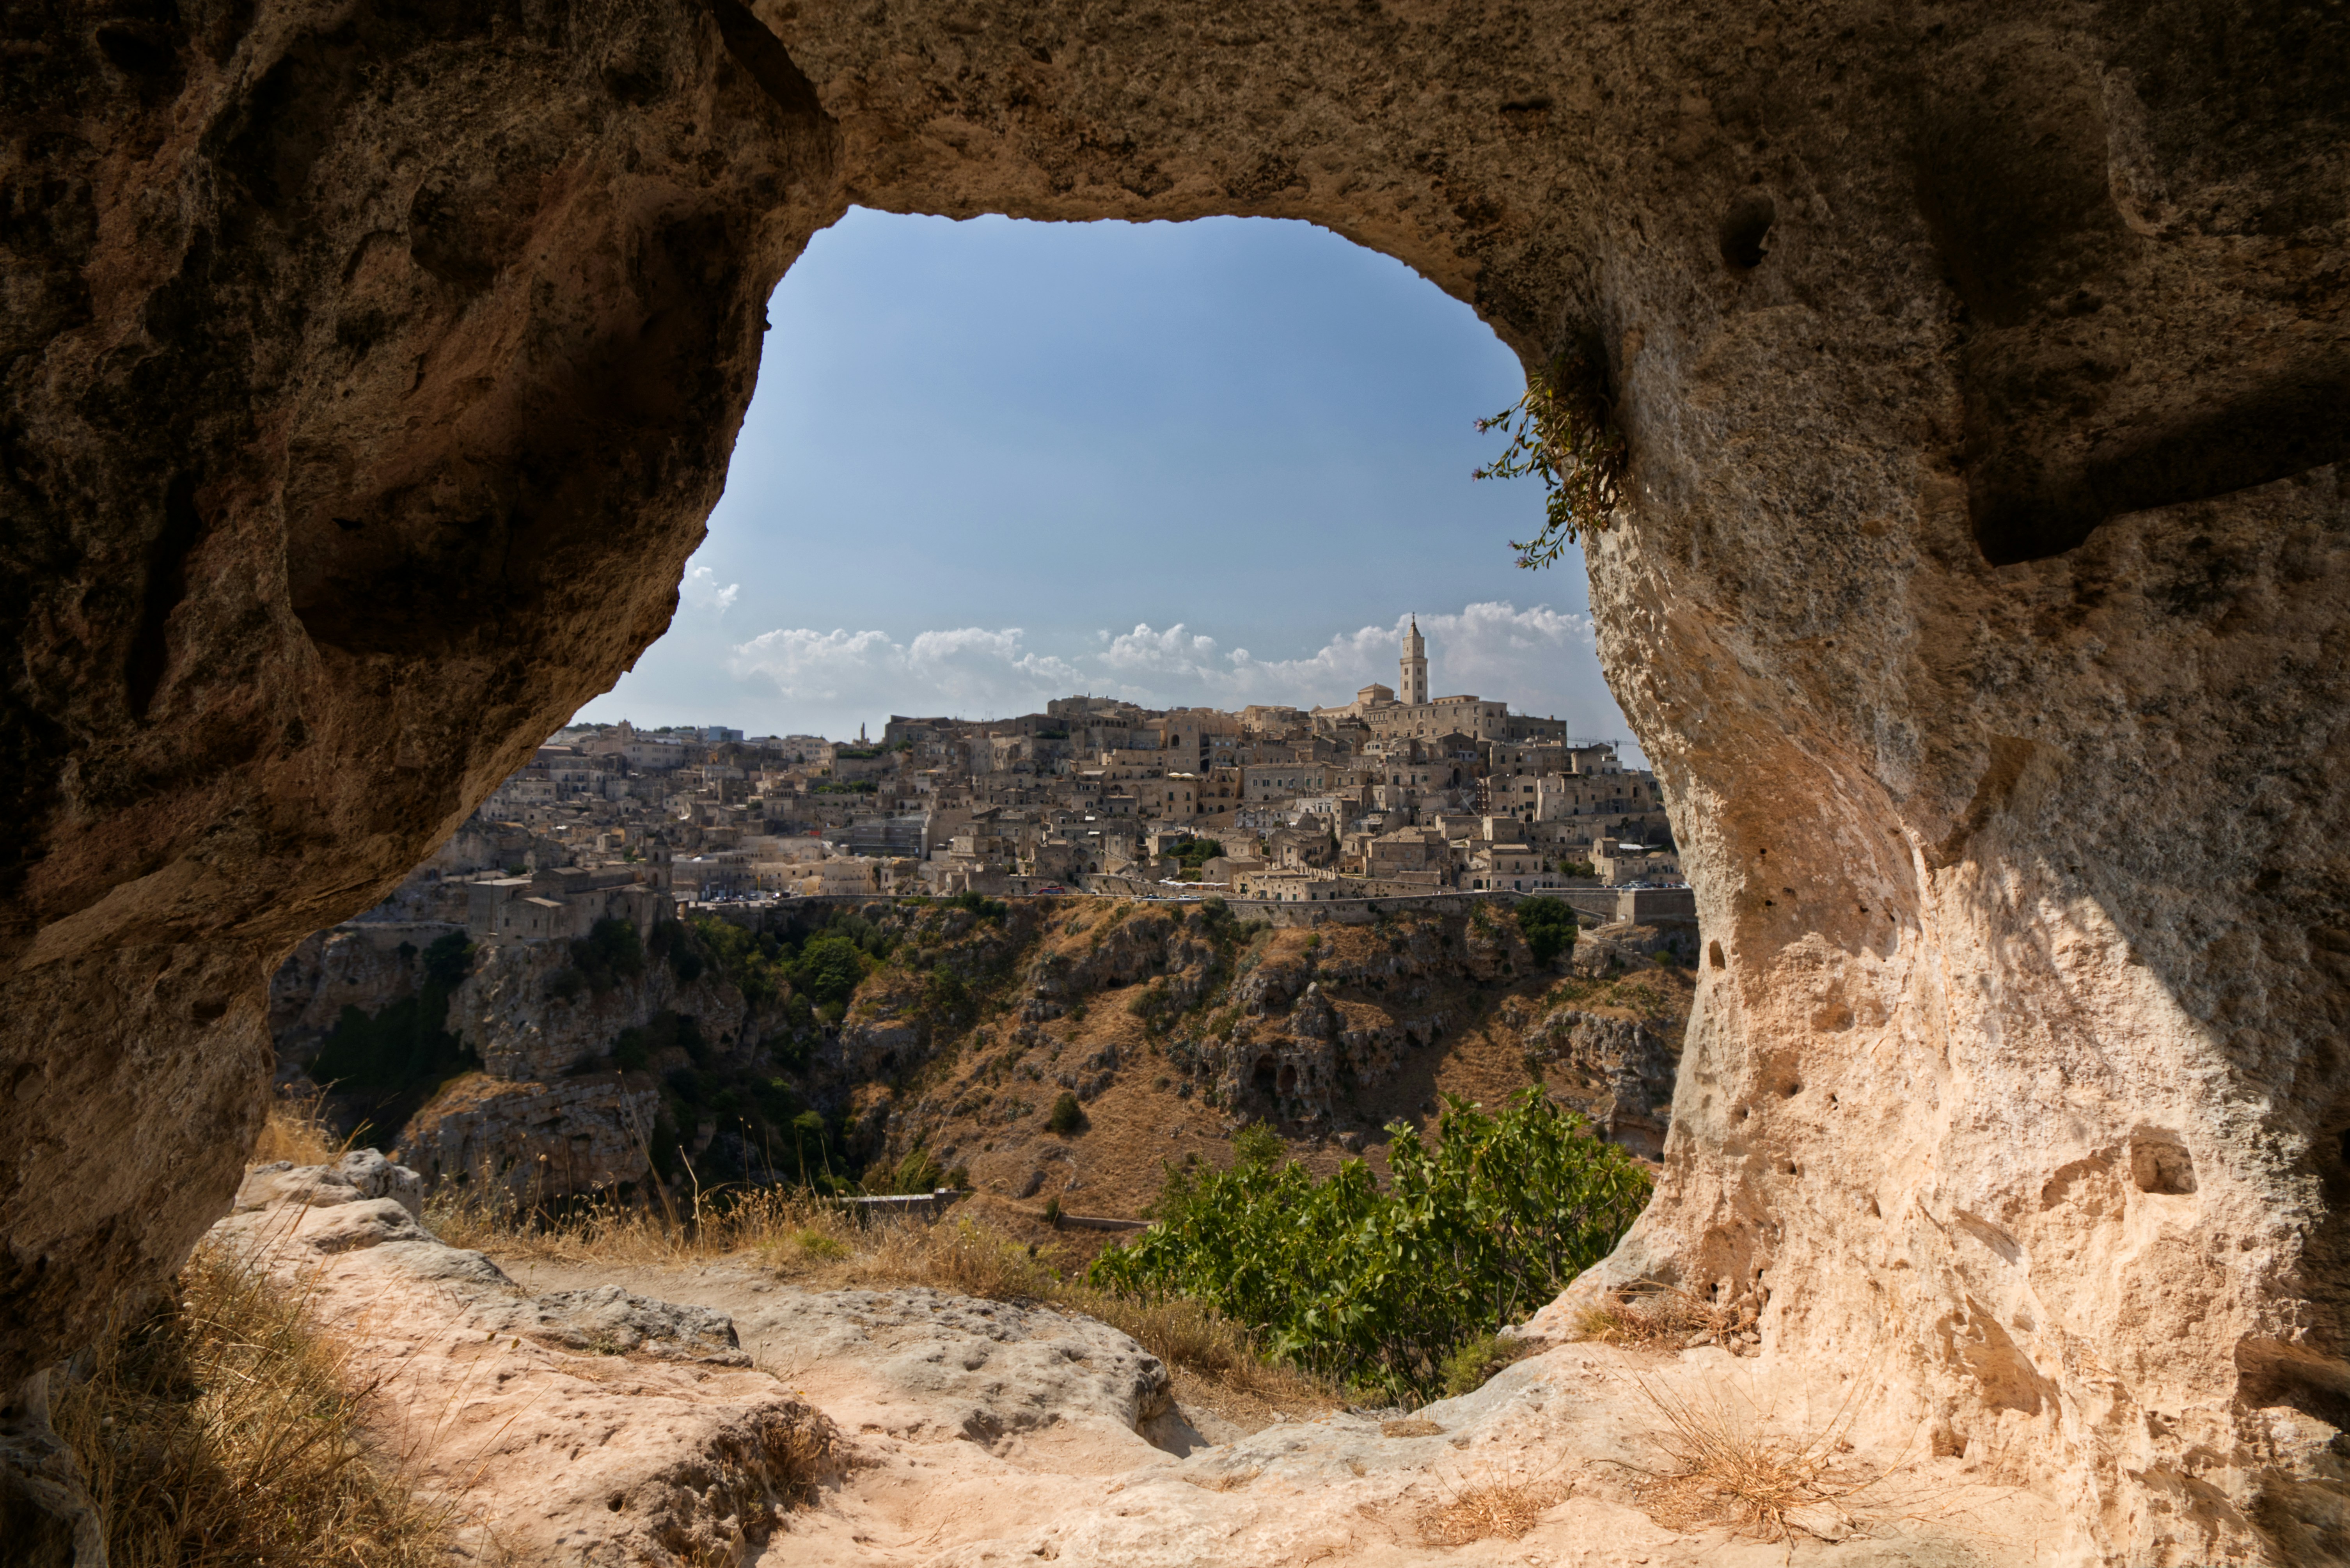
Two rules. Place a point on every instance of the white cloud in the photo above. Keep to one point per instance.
(967, 671)
(1538, 659)
(699, 590)
(1495, 650)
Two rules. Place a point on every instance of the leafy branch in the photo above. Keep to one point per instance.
(1563, 431)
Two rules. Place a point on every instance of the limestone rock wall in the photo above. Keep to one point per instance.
(512, 1016)
(327, 972)
(538, 1139)
(1979, 591)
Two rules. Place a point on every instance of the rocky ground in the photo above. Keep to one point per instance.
(710, 1413)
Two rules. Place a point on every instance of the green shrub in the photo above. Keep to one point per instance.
(1257, 1146)
(389, 1062)
(1474, 1361)
(945, 997)
(609, 953)
(918, 1172)
(1548, 926)
(1491, 1216)
(674, 940)
(1067, 1116)
(986, 909)
(1053, 1212)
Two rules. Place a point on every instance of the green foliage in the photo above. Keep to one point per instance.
(1152, 1005)
(830, 967)
(392, 1061)
(843, 787)
(945, 997)
(1563, 431)
(1548, 926)
(674, 940)
(609, 953)
(986, 909)
(918, 1172)
(1195, 853)
(1053, 1211)
(1067, 1116)
(636, 1049)
(757, 968)
(1489, 1218)
(1474, 1361)
(1257, 1146)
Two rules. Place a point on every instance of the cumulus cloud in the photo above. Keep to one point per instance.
(1538, 659)
(969, 670)
(1494, 650)
(699, 590)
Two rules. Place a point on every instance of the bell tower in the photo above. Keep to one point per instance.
(1413, 688)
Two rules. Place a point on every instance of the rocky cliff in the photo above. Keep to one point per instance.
(1978, 589)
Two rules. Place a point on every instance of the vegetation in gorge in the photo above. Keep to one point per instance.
(1548, 926)
(388, 1063)
(1488, 1218)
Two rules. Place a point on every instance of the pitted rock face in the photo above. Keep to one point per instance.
(1979, 593)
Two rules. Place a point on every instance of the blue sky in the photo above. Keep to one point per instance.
(994, 462)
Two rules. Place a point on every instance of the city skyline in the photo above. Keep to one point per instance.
(992, 463)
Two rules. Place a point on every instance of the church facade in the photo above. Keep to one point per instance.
(1406, 712)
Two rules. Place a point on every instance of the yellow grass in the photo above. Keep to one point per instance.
(1507, 1510)
(800, 1237)
(1724, 1471)
(220, 1431)
(1649, 1313)
(295, 1128)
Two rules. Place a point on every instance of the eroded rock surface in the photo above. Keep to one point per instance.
(1979, 594)
(581, 1425)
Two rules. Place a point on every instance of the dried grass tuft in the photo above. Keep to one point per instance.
(1505, 1509)
(1726, 1472)
(295, 1128)
(1651, 1314)
(221, 1430)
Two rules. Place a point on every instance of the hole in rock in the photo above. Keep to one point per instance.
(2161, 1165)
(1288, 1080)
(1714, 955)
(1265, 1072)
(1745, 228)
(1097, 394)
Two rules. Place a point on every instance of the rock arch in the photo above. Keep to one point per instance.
(1979, 594)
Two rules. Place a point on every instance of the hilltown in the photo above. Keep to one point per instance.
(1394, 794)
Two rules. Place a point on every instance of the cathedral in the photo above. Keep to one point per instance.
(1407, 712)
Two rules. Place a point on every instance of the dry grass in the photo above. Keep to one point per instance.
(1505, 1509)
(1651, 1313)
(1724, 1472)
(799, 1237)
(221, 1430)
(295, 1128)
